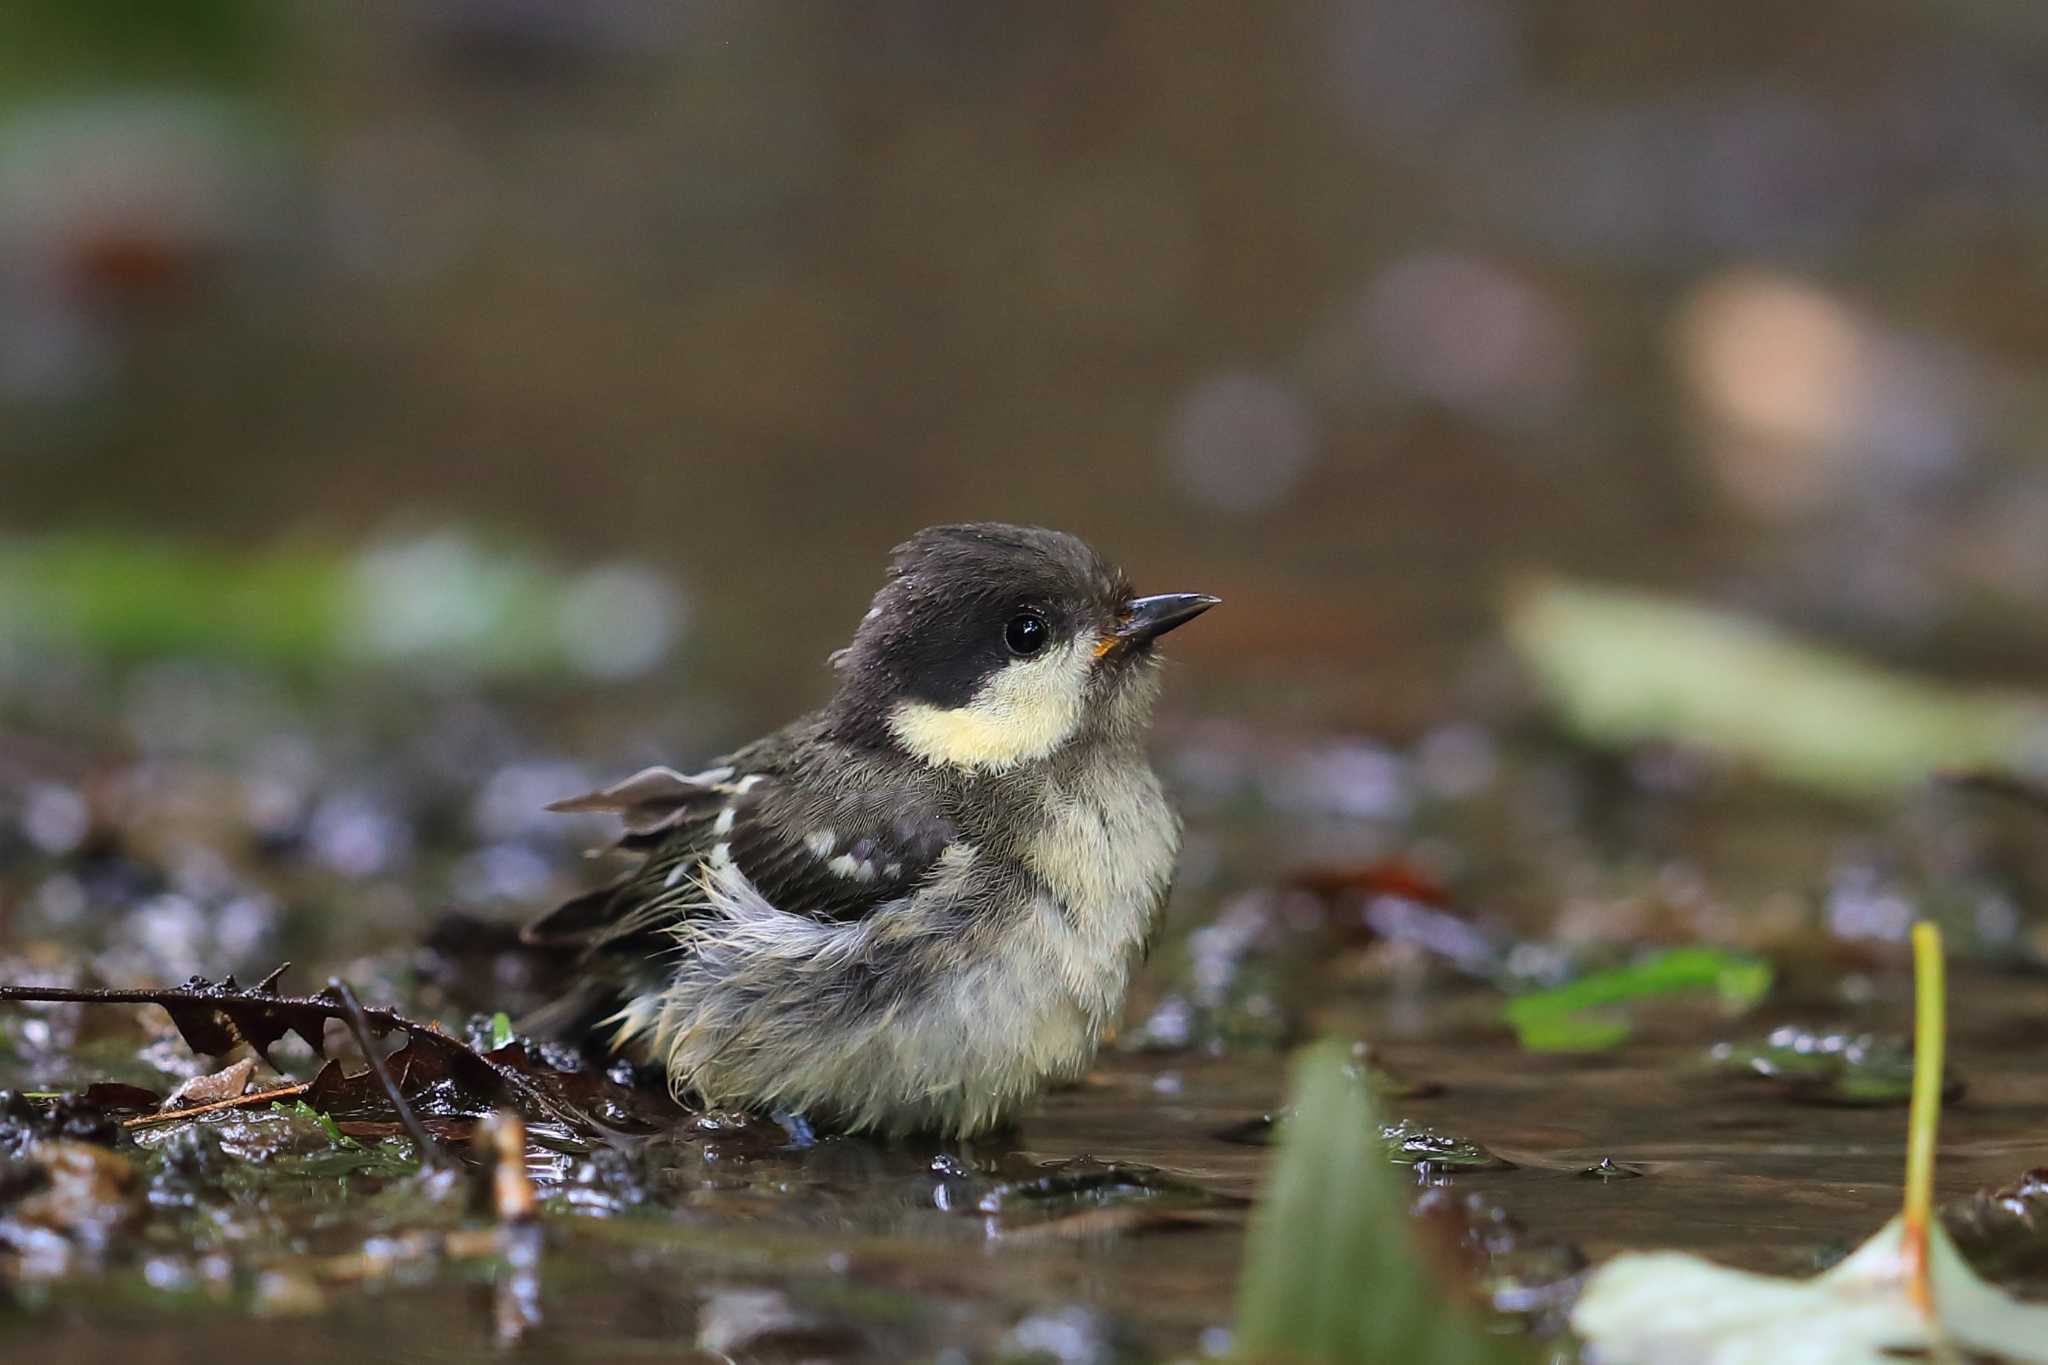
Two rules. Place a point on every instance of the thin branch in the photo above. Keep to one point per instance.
(352, 1009)
(214, 1019)
(284, 1092)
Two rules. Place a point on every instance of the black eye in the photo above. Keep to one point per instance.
(1027, 633)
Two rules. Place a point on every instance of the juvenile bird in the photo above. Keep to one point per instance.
(910, 909)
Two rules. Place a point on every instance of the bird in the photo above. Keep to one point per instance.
(915, 907)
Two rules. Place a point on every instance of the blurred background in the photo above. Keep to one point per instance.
(361, 366)
(1342, 310)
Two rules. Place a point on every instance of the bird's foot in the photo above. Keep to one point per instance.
(801, 1134)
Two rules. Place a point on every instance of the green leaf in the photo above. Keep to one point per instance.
(1623, 668)
(1828, 1068)
(444, 599)
(1572, 1017)
(501, 1030)
(299, 1109)
(1332, 1273)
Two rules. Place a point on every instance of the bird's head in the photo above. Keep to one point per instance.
(993, 645)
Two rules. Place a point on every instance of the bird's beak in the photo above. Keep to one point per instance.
(1147, 618)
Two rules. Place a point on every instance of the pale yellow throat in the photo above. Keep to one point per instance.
(1023, 712)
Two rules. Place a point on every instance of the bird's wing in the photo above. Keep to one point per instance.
(832, 852)
(837, 856)
(658, 807)
(653, 799)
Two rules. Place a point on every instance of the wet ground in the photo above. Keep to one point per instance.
(1333, 884)
(742, 1248)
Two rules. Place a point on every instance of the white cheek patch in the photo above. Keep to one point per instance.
(1023, 712)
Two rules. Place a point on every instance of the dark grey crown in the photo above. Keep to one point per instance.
(937, 626)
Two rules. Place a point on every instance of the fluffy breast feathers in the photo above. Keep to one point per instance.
(878, 957)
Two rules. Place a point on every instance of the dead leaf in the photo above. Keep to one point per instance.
(218, 1018)
(224, 1084)
(1668, 1308)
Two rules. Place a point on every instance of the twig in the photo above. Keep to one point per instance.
(516, 1293)
(197, 993)
(71, 995)
(352, 1009)
(284, 1092)
(214, 1019)
(512, 1193)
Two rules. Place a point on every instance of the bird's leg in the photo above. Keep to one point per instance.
(801, 1134)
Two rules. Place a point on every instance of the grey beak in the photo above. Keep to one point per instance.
(1148, 618)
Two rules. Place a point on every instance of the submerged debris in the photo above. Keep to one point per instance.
(753, 1323)
(1830, 1067)
(65, 1207)
(2003, 1233)
(1529, 1279)
(188, 1168)
(25, 1122)
(1078, 1197)
(1411, 1144)
(1072, 1335)
(1405, 1143)
(439, 1074)
(517, 1299)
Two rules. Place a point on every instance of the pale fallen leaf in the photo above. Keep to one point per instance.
(1623, 668)
(1669, 1308)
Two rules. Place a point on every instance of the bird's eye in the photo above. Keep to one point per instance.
(1027, 633)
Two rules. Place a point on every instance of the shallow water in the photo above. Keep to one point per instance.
(851, 1249)
(1332, 885)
